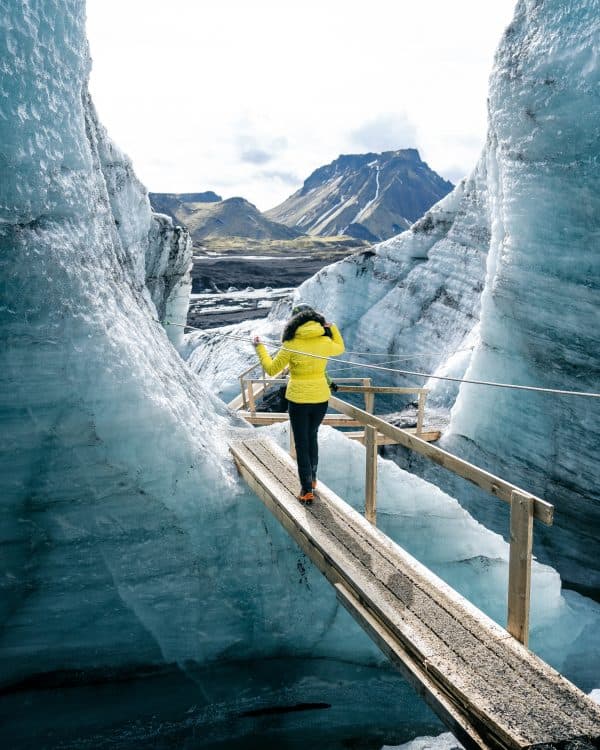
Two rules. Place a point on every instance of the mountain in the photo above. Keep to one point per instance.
(368, 196)
(176, 204)
(212, 217)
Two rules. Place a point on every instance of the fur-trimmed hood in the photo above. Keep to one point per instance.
(299, 320)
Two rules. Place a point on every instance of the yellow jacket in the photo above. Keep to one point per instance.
(307, 384)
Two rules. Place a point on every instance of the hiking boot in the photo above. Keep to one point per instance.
(306, 497)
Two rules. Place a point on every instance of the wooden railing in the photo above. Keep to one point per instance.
(254, 388)
(524, 506)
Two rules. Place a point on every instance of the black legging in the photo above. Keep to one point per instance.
(305, 420)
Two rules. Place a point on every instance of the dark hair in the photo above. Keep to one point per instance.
(299, 320)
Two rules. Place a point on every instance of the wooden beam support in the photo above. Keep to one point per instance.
(369, 396)
(417, 676)
(260, 418)
(380, 389)
(421, 412)
(519, 567)
(363, 388)
(246, 385)
(371, 475)
(251, 401)
(244, 397)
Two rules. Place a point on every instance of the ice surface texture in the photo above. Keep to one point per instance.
(541, 304)
(106, 437)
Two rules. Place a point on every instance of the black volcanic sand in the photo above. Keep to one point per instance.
(236, 270)
(215, 318)
(257, 265)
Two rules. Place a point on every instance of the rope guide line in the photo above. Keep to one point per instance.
(363, 365)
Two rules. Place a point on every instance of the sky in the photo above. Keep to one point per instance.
(248, 97)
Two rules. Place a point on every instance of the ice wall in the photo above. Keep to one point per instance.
(127, 542)
(540, 307)
(533, 201)
(107, 439)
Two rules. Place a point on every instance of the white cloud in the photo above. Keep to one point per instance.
(214, 95)
(386, 132)
(259, 150)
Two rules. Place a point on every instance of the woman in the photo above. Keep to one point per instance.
(307, 391)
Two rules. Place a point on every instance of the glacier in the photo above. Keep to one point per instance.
(146, 595)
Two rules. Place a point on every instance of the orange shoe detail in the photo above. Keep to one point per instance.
(306, 497)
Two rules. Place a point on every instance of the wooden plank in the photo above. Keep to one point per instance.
(413, 673)
(519, 569)
(371, 475)
(543, 511)
(348, 380)
(512, 686)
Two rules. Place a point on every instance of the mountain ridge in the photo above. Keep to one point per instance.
(368, 196)
(232, 217)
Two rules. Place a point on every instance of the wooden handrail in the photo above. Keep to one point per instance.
(523, 507)
(243, 375)
(543, 511)
(352, 388)
(270, 381)
(380, 389)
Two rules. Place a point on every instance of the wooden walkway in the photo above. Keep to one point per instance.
(488, 689)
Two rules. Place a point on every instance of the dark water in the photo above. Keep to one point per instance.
(306, 704)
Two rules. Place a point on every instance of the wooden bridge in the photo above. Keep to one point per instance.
(482, 682)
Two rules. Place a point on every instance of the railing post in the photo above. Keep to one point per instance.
(251, 400)
(519, 566)
(369, 397)
(371, 474)
(421, 412)
(243, 387)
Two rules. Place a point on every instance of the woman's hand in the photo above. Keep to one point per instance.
(256, 341)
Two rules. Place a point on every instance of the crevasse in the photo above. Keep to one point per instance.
(128, 542)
